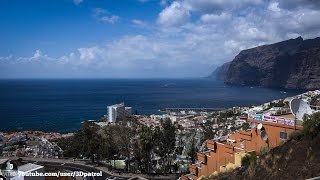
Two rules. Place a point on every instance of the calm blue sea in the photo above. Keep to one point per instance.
(61, 105)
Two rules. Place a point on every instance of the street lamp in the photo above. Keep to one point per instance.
(114, 161)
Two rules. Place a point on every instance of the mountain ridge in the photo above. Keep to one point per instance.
(291, 64)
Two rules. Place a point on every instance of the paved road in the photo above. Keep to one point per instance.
(76, 167)
(71, 165)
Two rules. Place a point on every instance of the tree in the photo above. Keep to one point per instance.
(208, 132)
(192, 153)
(229, 113)
(279, 104)
(245, 126)
(311, 125)
(248, 159)
(136, 149)
(69, 147)
(122, 137)
(165, 139)
(92, 143)
(233, 128)
(146, 146)
(89, 142)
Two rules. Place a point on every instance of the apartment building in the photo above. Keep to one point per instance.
(118, 112)
(223, 154)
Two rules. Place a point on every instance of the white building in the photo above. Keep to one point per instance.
(118, 111)
(101, 124)
(158, 117)
(18, 137)
(239, 122)
(128, 111)
(173, 118)
(29, 168)
(255, 109)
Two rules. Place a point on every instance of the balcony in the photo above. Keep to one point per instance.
(211, 145)
(193, 169)
(202, 157)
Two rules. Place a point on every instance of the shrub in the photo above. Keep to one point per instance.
(264, 150)
(245, 126)
(248, 159)
(311, 127)
(296, 135)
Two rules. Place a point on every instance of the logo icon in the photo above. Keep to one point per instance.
(9, 169)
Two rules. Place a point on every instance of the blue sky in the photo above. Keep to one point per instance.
(46, 25)
(141, 38)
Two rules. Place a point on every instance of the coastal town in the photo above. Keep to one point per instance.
(160, 90)
(193, 128)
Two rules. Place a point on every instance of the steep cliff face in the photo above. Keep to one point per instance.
(293, 64)
(220, 72)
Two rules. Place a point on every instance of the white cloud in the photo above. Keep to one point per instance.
(6, 58)
(274, 6)
(214, 18)
(191, 37)
(232, 46)
(234, 25)
(138, 23)
(296, 4)
(109, 19)
(99, 11)
(105, 16)
(175, 14)
(77, 2)
(37, 56)
(88, 54)
(218, 6)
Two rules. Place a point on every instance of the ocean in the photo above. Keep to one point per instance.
(60, 105)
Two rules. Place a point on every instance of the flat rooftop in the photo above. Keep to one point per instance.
(29, 167)
(3, 161)
(289, 116)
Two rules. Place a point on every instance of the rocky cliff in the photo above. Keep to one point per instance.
(220, 72)
(293, 64)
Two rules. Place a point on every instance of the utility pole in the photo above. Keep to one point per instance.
(295, 121)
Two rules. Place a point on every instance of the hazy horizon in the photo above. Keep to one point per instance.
(107, 78)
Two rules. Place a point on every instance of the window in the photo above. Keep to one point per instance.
(283, 135)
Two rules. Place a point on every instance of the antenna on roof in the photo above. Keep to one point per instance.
(264, 135)
(299, 107)
(294, 105)
(252, 125)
